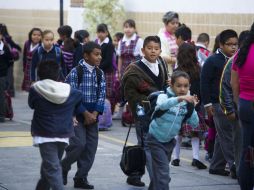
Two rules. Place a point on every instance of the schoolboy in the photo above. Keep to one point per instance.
(202, 44)
(183, 34)
(53, 103)
(210, 79)
(83, 146)
(139, 80)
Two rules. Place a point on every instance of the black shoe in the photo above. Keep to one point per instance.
(82, 183)
(135, 182)
(175, 162)
(219, 172)
(198, 164)
(233, 172)
(65, 175)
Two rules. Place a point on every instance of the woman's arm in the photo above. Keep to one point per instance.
(235, 85)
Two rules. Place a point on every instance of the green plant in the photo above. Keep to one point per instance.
(110, 12)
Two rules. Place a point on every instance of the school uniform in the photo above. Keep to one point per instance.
(84, 144)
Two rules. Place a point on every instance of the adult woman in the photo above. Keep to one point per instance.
(242, 81)
(168, 40)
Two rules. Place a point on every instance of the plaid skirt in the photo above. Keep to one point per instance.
(187, 130)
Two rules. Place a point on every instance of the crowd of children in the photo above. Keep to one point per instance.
(77, 75)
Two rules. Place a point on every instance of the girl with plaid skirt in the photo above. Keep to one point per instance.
(31, 45)
(187, 61)
(107, 64)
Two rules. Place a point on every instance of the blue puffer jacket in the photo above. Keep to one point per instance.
(166, 127)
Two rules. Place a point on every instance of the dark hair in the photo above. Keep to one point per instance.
(154, 39)
(90, 46)
(69, 45)
(31, 33)
(130, 22)
(187, 60)
(203, 37)
(184, 32)
(81, 34)
(45, 32)
(216, 43)
(104, 28)
(242, 37)
(65, 30)
(119, 35)
(4, 30)
(178, 74)
(226, 34)
(244, 50)
(48, 70)
(169, 16)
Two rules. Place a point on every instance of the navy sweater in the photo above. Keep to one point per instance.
(53, 120)
(210, 77)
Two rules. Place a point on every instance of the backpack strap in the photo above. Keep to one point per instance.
(190, 109)
(80, 73)
(58, 55)
(99, 78)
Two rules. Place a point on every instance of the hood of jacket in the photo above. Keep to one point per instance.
(53, 91)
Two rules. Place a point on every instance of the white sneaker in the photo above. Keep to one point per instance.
(118, 115)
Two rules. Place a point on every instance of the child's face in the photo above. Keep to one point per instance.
(181, 86)
(128, 30)
(102, 35)
(93, 58)
(115, 41)
(36, 37)
(48, 40)
(230, 47)
(151, 51)
(172, 26)
(179, 41)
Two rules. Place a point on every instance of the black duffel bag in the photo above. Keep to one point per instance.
(133, 158)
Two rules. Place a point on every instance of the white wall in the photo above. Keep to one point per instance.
(190, 6)
(33, 4)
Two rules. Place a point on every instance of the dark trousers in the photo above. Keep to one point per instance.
(246, 172)
(10, 82)
(2, 98)
(224, 145)
(51, 171)
(82, 149)
(160, 153)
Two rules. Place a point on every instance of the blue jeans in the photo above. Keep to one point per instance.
(246, 115)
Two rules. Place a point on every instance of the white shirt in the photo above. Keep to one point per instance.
(139, 45)
(1, 45)
(89, 67)
(154, 67)
(40, 140)
(106, 40)
(33, 47)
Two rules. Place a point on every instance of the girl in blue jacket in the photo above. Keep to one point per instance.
(163, 129)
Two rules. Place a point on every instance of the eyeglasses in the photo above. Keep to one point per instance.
(231, 45)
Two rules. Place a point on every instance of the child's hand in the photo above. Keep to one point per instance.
(187, 98)
(196, 100)
(89, 118)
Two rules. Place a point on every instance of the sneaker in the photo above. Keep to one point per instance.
(198, 164)
(82, 183)
(118, 115)
(175, 162)
(65, 175)
(219, 172)
(233, 172)
(135, 182)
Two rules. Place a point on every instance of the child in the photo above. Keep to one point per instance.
(47, 51)
(5, 63)
(31, 45)
(183, 34)
(83, 145)
(210, 79)
(53, 103)
(129, 50)
(81, 37)
(163, 129)
(116, 39)
(107, 65)
(201, 46)
(140, 79)
(187, 62)
(66, 43)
